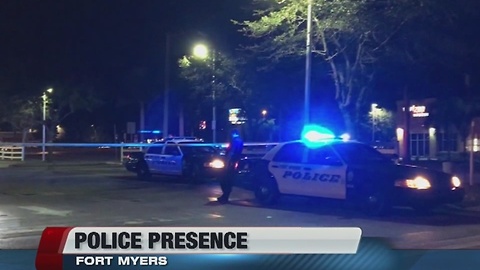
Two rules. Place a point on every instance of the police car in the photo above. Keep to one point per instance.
(187, 158)
(347, 170)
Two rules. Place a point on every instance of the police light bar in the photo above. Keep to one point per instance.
(314, 135)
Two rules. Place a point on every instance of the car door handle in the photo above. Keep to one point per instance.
(274, 166)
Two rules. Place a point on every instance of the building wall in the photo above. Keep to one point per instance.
(425, 140)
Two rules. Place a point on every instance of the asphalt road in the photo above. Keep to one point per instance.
(32, 198)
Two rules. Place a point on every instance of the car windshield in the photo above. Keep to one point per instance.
(356, 153)
(197, 150)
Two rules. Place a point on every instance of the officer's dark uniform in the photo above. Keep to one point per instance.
(233, 155)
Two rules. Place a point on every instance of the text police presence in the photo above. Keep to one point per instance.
(162, 240)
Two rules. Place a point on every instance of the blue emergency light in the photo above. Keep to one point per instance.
(345, 137)
(315, 136)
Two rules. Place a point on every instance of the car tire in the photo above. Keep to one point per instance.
(143, 173)
(377, 203)
(266, 192)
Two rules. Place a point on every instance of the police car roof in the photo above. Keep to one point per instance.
(327, 141)
(182, 141)
(180, 138)
(177, 141)
(269, 155)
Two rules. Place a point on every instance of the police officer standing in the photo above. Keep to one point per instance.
(233, 155)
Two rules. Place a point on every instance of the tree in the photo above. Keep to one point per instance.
(349, 35)
(453, 115)
(22, 114)
(382, 123)
(25, 113)
(69, 98)
(341, 34)
(219, 74)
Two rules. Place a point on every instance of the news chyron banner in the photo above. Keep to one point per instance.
(72, 248)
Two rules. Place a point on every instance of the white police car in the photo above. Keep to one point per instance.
(187, 158)
(347, 170)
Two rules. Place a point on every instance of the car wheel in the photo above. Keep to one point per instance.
(377, 203)
(266, 192)
(143, 173)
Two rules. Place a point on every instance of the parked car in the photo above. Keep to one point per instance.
(192, 159)
(346, 170)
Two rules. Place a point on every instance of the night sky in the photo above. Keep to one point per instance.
(102, 40)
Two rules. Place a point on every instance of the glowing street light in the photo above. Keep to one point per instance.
(44, 98)
(264, 113)
(200, 51)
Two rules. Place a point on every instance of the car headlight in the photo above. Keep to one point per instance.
(456, 182)
(416, 183)
(217, 164)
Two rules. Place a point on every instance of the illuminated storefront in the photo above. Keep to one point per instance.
(425, 140)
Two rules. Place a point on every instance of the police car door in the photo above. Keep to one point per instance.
(172, 159)
(327, 173)
(287, 168)
(153, 157)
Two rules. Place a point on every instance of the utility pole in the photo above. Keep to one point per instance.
(166, 92)
(472, 147)
(471, 163)
(308, 65)
(44, 130)
(181, 121)
(373, 109)
(214, 107)
(407, 114)
(142, 121)
(44, 122)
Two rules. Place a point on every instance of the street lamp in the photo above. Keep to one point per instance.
(264, 113)
(44, 129)
(201, 51)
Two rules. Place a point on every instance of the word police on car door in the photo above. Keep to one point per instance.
(306, 171)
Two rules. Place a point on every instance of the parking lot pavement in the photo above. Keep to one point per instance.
(32, 198)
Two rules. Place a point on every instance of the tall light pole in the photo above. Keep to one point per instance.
(201, 51)
(44, 129)
(373, 112)
(166, 93)
(308, 65)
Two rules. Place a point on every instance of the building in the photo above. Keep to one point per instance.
(426, 141)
